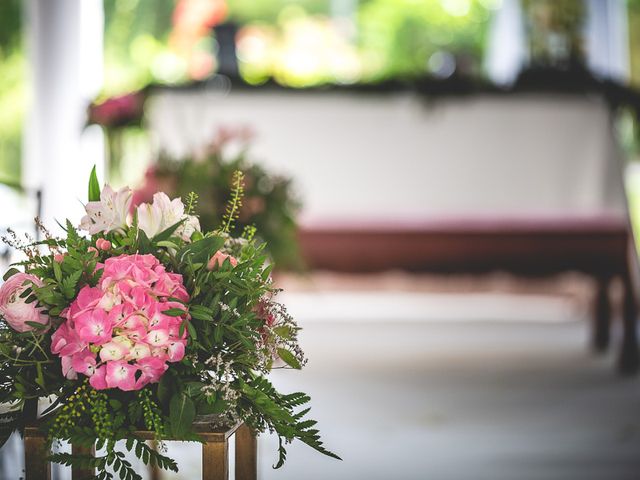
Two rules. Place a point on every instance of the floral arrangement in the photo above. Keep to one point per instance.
(145, 324)
(121, 119)
(117, 112)
(269, 202)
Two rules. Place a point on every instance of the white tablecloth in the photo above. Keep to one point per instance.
(400, 157)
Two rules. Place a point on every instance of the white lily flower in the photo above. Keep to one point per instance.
(109, 213)
(190, 225)
(160, 215)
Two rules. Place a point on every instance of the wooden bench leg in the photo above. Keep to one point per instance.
(82, 473)
(602, 317)
(629, 361)
(215, 460)
(35, 459)
(246, 454)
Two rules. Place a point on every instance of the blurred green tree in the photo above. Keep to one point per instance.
(12, 89)
(135, 37)
(413, 38)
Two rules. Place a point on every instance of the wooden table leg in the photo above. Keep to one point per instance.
(602, 316)
(154, 471)
(78, 473)
(215, 460)
(629, 362)
(35, 458)
(246, 454)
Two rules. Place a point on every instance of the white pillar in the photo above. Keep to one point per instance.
(507, 49)
(607, 39)
(64, 45)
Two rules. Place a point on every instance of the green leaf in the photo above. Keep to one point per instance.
(68, 285)
(27, 291)
(174, 312)
(12, 184)
(94, 186)
(167, 244)
(164, 389)
(289, 358)
(213, 404)
(57, 271)
(40, 375)
(283, 331)
(11, 272)
(182, 412)
(200, 251)
(266, 272)
(144, 244)
(193, 333)
(37, 326)
(166, 234)
(200, 315)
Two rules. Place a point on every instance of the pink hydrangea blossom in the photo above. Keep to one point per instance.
(122, 375)
(98, 379)
(117, 333)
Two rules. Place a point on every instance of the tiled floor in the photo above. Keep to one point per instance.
(463, 401)
(452, 399)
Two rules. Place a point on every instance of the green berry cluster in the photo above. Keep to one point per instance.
(151, 413)
(100, 416)
(70, 414)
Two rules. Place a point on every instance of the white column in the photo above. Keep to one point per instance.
(607, 39)
(64, 44)
(507, 50)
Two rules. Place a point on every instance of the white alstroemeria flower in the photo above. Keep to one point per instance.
(109, 213)
(160, 215)
(149, 219)
(190, 225)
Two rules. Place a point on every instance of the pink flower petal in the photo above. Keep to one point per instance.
(121, 375)
(113, 351)
(84, 362)
(98, 379)
(67, 368)
(93, 326)
(176, 351)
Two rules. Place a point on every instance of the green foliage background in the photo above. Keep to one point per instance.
(394, 37)
(12, 89)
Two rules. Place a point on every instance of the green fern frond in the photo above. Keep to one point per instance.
(235, 202)
(249, 232)
(192, 203)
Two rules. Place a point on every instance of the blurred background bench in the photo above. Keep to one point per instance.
(529, 183)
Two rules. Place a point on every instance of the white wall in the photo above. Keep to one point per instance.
(395, 156)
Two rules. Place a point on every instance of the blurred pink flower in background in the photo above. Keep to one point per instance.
(118, 111)
(149, 187)
(192, 22)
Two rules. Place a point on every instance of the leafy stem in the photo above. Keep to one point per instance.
(235, 202)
